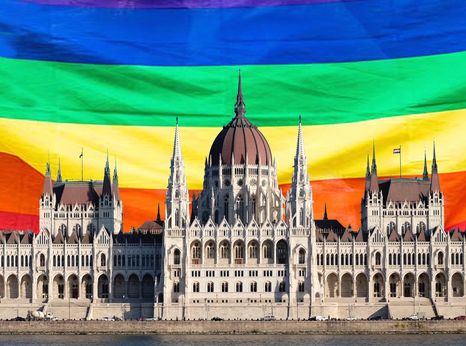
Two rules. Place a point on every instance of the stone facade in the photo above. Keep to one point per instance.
(241, 248)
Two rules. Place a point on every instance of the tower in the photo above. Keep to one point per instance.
(106, 202)
(47, 201)
(177, 197)
(300, 196)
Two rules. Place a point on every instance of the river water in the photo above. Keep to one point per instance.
(234, 340)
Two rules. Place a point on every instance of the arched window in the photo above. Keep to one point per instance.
(176, 256)
(407, 226)
(390, 227)
(302, 256)
(440, 258)
(196, 251)
(210, 287)
(253, 286)
(239, 287)
(282, 287)
(226, 206)
(301, 286)
(224, 250)
(210, 250)
(195, 286)
(240, 208)
(103, 260)
(224, 286)
(253, 206)
(253, 250)
(268, 286)
(42, 260)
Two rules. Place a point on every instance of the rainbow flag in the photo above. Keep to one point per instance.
(114, 74)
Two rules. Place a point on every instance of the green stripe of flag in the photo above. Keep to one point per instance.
(204, 96)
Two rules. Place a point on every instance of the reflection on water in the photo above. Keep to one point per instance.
(234, 340)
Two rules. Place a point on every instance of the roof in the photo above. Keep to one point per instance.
(329, 224)
(80, 192)
(404, 189)
(393, 236)
(154, 227)
(241, 139)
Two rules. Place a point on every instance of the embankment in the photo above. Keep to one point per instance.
(233, 327)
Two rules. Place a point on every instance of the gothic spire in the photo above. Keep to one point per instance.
(299, 144)
(240, 107)
(435, 182)
(158, 219)
(374, 164)
(374, 184)
(107, 189)
(48, 187)
(425, 174)
(176, 144)
(368, 175)
(325, 212)
(59, 179)
(116, 189)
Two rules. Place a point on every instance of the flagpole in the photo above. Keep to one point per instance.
(400, 161)
(82, 164)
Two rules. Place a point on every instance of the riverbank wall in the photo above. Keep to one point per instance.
(232, 327)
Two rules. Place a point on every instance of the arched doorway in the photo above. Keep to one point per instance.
(332, 286)
(423, 283)
(395, 285)
(440, 285)
(408, 285)
(26, 287)
(102, 286)
(148, 287)
(457, 285)
(42, 288)
(73, 287)
(12, 287)
(119, 287)
(379, 287)
(361, 286)
(58, 287)
(134, 288)
(86, 286)
(346, 286)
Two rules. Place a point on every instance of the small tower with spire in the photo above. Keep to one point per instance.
(300, 196)
(47, 201)
(371, 204)
(59, 178)
(436, 201)
(425, 173)
(177, 197)
(240, 106)
(106, 202)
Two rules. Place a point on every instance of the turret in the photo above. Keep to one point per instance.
(434, 183)
(425, 174)
(177, 198)
(300, 197)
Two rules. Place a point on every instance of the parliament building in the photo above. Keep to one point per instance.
(240, 249)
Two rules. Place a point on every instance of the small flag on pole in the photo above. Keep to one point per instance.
(81, 153)
(397, 151)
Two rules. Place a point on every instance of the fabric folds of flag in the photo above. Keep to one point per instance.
(93, 74)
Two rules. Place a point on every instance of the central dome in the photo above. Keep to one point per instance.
(240, 139)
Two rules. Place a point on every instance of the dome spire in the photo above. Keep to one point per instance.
(240, 107)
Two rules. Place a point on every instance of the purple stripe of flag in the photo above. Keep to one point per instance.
(178, 3)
